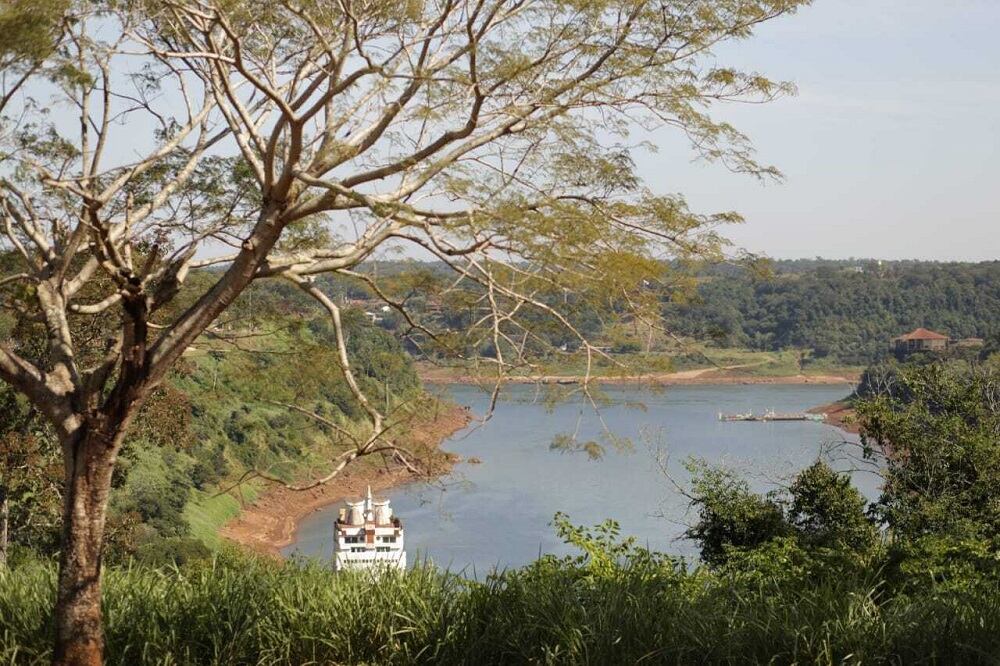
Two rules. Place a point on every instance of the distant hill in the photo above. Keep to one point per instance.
(846, 310)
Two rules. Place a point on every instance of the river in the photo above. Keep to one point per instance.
(498, 512)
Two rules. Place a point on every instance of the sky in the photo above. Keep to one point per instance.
(891, 148)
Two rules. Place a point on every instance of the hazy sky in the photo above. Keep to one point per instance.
(891, 148)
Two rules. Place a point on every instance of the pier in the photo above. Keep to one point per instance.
(771, 415)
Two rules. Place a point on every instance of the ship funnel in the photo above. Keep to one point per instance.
(383, 513)
(369, 507)
(356, 512)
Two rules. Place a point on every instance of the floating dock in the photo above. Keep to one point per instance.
(771, 415)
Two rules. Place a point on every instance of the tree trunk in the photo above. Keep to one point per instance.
(79, 636)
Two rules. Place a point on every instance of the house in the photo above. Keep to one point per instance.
(920, 340)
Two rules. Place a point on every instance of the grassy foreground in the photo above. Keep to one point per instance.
(238, 609)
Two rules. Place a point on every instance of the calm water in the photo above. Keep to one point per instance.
(499, 512)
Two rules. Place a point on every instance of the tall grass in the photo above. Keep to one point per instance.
(238, 609)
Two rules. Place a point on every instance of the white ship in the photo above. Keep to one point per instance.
(367, 536)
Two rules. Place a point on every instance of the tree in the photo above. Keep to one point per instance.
(819, 510)
(936, 437)
(730, 515)
(288, 140)
(828, 512)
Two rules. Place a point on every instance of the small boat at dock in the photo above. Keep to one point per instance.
(771, 415)
(747, 416)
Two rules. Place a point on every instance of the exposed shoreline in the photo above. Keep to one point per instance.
(839, 414)
(270, 523)
(685, 377)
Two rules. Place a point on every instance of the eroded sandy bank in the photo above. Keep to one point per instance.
(840, 415)
(686, 377)
(269, 524)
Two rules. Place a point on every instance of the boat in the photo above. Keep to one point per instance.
(368, 536)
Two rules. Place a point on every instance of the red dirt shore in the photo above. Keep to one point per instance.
(839, 414)
(269, 523)
(431, 375)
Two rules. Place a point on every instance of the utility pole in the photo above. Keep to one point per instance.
(387, 393)
(4, 519)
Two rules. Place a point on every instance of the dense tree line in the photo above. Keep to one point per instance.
(847, 311)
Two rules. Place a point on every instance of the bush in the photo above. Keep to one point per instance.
(156, 489)
(174, 551)
(828, 512)
(730, 516)
(937, 441)
(820, 510)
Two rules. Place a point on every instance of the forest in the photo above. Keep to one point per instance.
(836, 312)
(846, 311)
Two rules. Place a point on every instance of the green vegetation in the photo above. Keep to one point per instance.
(932, 429)
(615, 604)
(206, 513)
(30, 480)
(807, 574)
(938, 434)
(846, 311)
(233, 388)
(787, 318)
(221, 413)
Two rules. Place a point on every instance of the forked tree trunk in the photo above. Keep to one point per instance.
(90, 453)
(79, 638)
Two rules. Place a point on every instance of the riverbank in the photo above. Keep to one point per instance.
(269, 523)
(447, 375)
(839, 414)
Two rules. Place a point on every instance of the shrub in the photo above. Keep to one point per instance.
(828, 512)
(173, 551)
(730, 516)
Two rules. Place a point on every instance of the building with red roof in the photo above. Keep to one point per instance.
(920, 339)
